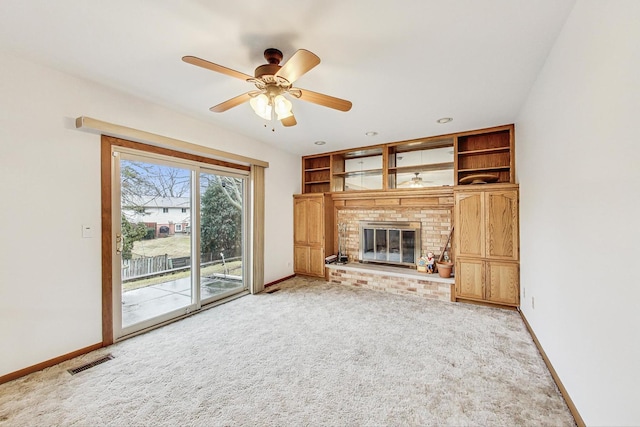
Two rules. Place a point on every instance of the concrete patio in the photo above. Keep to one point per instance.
(146, 303)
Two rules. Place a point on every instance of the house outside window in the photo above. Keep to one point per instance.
(178, 227)
(184, 210)
(165, 210)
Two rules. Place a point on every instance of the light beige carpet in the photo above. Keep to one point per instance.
(313, 353)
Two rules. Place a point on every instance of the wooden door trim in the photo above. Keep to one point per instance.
(106, 144)
(107, 241)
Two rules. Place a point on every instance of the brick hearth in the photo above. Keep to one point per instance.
(395, 280)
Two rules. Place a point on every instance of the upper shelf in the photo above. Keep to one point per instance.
(484, 151)
(435, 161)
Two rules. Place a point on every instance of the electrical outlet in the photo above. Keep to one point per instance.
(533, 302)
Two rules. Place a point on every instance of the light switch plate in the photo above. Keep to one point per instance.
(87, 231)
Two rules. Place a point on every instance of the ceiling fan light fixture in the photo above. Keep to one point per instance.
(283, 107)
(416, 181)
(261, 106)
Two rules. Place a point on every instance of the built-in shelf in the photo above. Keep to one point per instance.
(492, 168)
(426, 162)
(369, 172)
(483, 151)
(422, 168)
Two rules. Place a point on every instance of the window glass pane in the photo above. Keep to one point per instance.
(221, 231)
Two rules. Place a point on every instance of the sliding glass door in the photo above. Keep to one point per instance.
(221, 235)
(179, 231)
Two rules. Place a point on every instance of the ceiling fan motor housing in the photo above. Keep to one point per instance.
(267, 70)
(273, 57)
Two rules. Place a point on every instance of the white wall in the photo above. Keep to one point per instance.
(578, 158)
(50, 277)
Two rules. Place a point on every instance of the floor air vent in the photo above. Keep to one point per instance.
(90, 364)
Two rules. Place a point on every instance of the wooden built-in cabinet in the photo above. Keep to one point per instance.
(487, 243)
(312, 233)
(436, 161)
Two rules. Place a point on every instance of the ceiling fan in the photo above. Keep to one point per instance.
(415, 182)
(272, 82)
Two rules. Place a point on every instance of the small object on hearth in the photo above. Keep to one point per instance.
(330, 259)
(479, 178)
(445, 268)
(426, 263)
(431, 260)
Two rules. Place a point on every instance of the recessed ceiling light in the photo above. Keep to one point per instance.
(320, 142)
(371, 133)
(444, 120)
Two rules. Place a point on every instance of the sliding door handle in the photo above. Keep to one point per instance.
(119, 243)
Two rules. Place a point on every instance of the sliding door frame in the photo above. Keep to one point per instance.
(255, 227)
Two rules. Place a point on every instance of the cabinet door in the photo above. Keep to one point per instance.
(316, 261)
(301, 259)
(502, 225)
(469, 223)
(502, 282)
(470, 278)
(300, 221)
(315, 220)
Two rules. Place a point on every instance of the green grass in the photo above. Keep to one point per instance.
(234, 269)
(178, 245)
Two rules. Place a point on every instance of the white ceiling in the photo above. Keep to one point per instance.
(403, 63)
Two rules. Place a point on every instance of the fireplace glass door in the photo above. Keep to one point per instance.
(390, 243)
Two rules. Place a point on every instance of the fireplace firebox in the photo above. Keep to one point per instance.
(390, 242)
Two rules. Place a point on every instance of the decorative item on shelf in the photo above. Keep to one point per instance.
(342, 251)
(445, 269)
(479, 178)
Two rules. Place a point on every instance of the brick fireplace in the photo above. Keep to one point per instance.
(431, 208)
(435, 225)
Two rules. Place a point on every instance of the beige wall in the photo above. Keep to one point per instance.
(578, 157)
(50, 277)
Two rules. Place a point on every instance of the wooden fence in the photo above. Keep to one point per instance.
(137, 267)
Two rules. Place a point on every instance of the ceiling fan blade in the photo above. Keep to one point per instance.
(289, 121)
(215, 67)
(301, 62)
(230, 103)
(325, 100)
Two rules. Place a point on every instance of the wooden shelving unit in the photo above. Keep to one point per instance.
(316, 172)
(390, 166)
(489, 151)
(370, 170)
